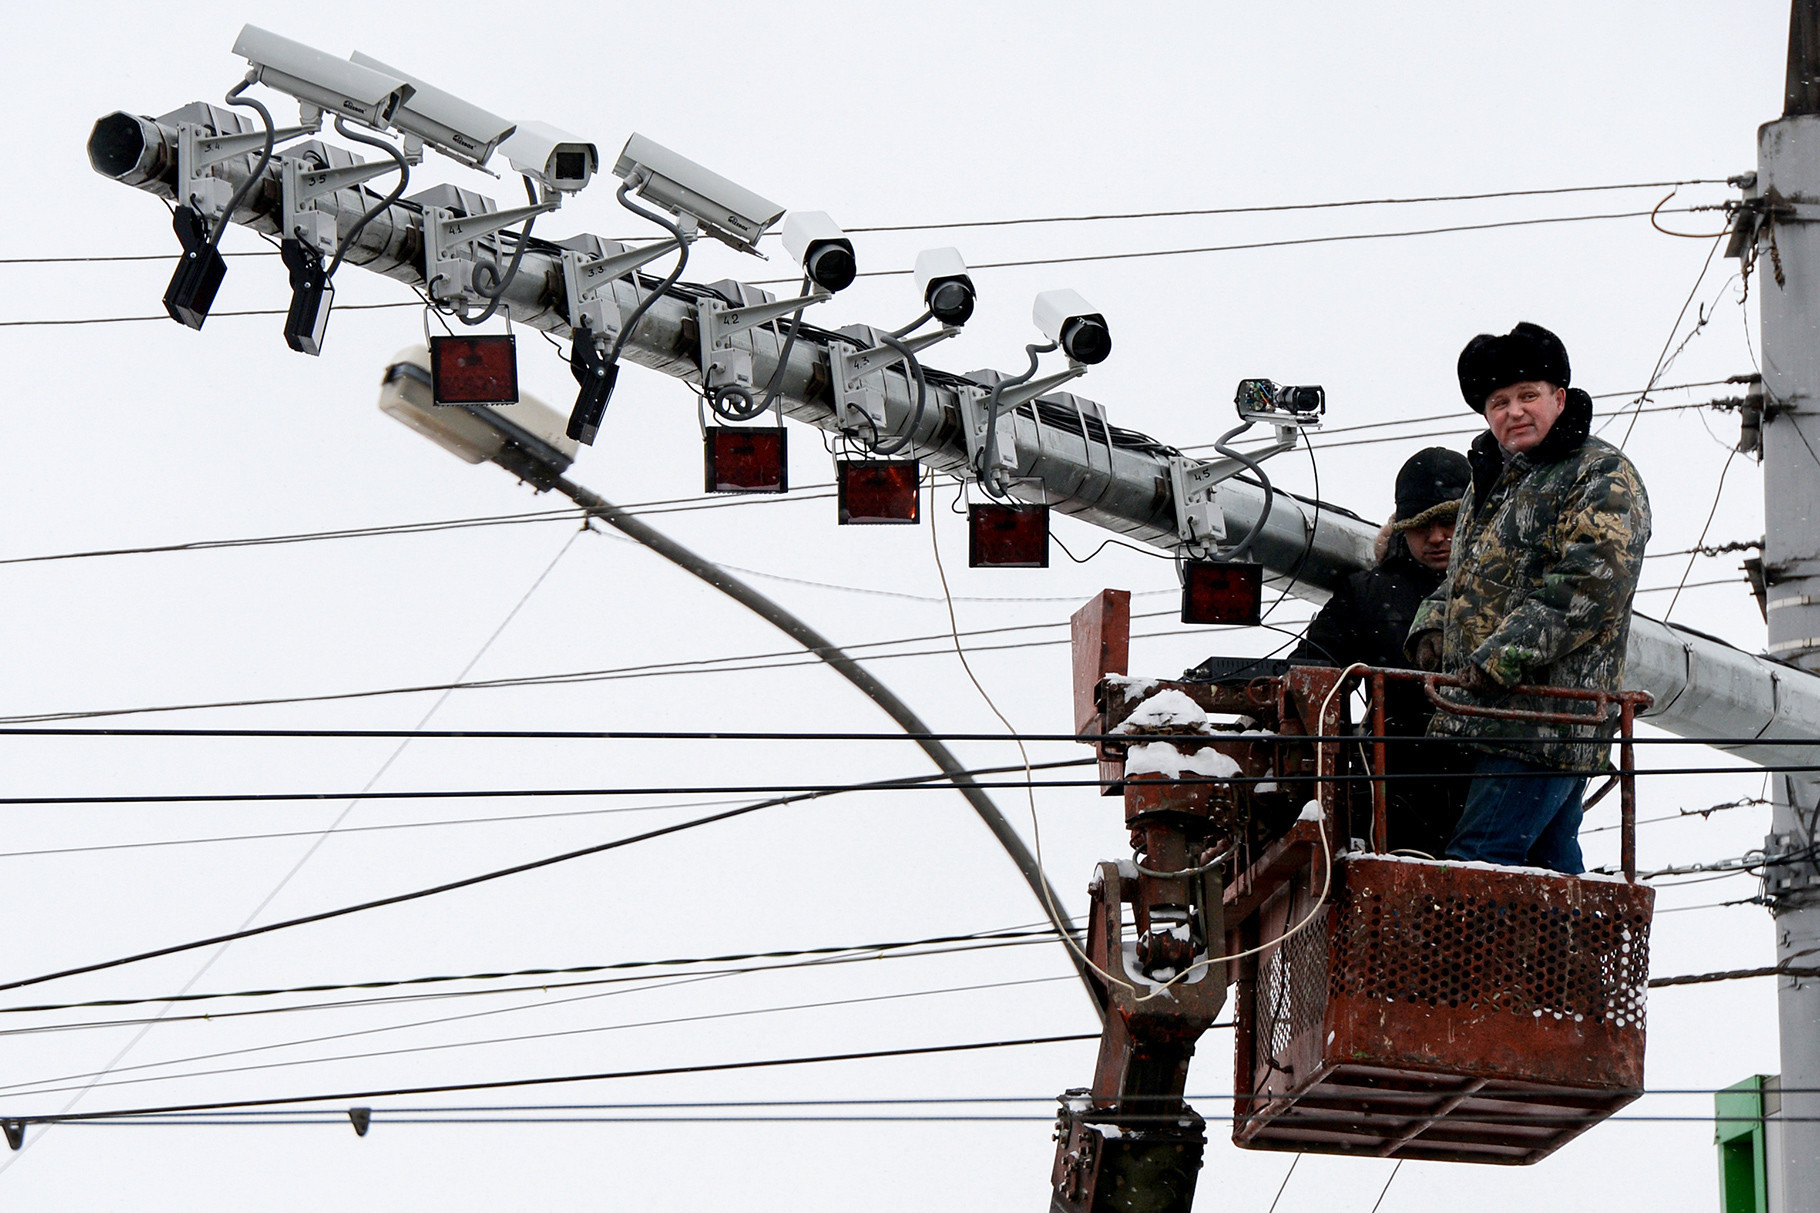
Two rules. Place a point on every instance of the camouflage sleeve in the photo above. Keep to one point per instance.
(1600, 533)
(1431, 616)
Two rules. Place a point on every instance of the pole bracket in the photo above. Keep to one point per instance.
(199, 150)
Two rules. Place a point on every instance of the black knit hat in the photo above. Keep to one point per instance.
(1528, 352)
(1429, 487)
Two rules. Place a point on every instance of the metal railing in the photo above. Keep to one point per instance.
(1624, 705)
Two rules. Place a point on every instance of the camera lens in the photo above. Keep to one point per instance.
(831, 266)
(1086, 339)
(950, 302)
(1306, 399)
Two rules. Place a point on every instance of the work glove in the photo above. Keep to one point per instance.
(1428, 651)
(1476, 682)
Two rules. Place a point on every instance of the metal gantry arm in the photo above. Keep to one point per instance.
(1111, 479)
(1100, 475)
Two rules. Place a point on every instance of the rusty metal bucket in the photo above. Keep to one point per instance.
(1443, 1011)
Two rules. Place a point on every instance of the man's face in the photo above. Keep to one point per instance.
(1521, 415)
(1431, 545)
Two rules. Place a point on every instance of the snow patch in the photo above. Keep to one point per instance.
(1478, 865)
(1161, 758)
(1157, 984)
(1165, 709)
(1311, 812)
(1136, 688)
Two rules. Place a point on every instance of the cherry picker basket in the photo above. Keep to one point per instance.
(1430, 1009)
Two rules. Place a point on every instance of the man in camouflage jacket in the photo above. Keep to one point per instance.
(1546, 555)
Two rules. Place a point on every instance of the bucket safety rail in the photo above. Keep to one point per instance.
(1604, 707)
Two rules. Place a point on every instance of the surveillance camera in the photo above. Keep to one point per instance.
(941, 276)
(320, 80)
(555, 158)
(817, 241)
(1071, 323)
(730, 213)
(453, 127)
(1262, 396)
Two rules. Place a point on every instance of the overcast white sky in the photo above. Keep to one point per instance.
(146, 433)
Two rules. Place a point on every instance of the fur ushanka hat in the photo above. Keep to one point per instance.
(1527, 352)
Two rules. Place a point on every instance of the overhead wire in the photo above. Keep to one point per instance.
(638, 982)
(222, 943)
(806, 735)
(1028, 931)
(694, 666)
(1662, 358)
(1385, 1190)
(940, 779)
(1248, 246)
(1085, 218)
(338, 1115)
(37, 1087)
(1692, 585)
(1456, 431)
(1282, 1187)
(443, 823)
(669, 506)
(558, 1079)
(1718, 493)
(1687, 814)
(213, 315)
(428, 1117)
(992, 265)
(823, 789)
(1282, 207)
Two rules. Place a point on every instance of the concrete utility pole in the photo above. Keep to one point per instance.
(1777, 234)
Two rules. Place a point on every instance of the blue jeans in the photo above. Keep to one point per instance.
(1516, 817)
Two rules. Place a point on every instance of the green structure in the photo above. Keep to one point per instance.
(1746, 1152)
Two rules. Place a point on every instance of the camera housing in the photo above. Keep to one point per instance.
(814, 239)
(1070, 322)
(730, 213)
(941, 276)
(554, 158)
(1262, 398)
(441, 120)
(320, 81)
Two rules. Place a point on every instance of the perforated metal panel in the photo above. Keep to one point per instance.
(1510, 951)
(1291, 995)
(1442, 1011)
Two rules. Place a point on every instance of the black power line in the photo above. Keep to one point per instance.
(1043, 931)
(996, 265)
(1251, 735)
(642, 982)
(1281, 207)
(551, 1080)
(39, 1087)
(259, 311)
(1270, 244)
(723, 665)
(939, 779)
(1090, 218)
(786, 792)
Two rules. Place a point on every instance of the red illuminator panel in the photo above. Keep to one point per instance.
(1008, 536)
(875, 491)
(474, 370)
(746, 459)
(1215, 592)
